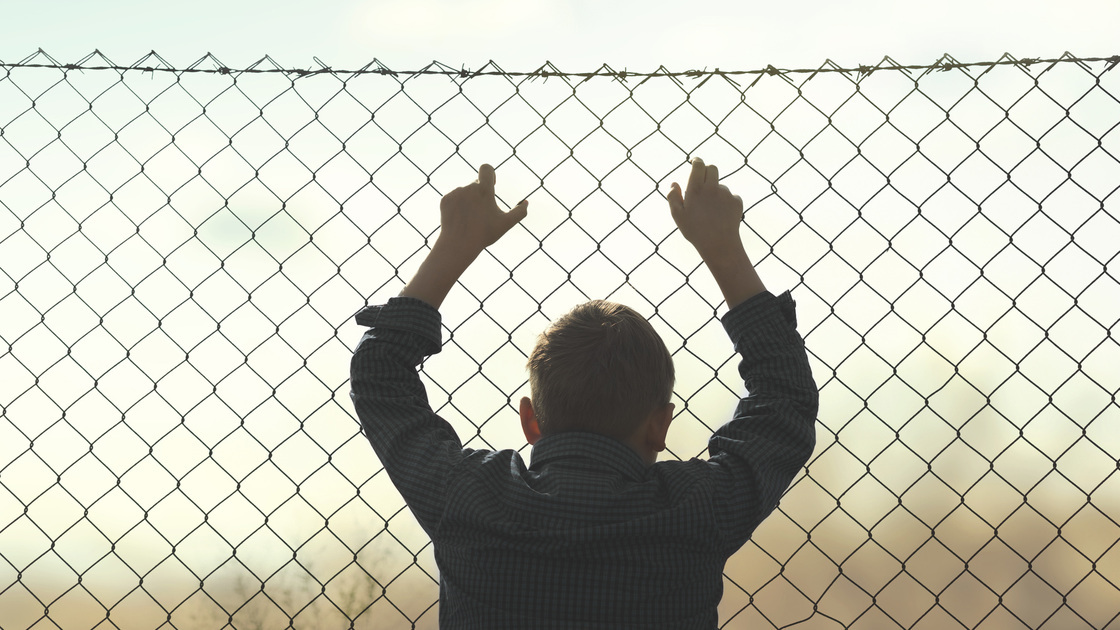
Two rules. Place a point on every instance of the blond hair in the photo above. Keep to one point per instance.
(600, 368)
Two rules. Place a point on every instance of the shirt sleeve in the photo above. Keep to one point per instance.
(757, 454)
(417, 447)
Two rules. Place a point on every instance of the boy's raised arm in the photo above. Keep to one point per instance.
(709, 216)
(418, 448)
(756, 455)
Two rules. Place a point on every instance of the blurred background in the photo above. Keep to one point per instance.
(181, 253)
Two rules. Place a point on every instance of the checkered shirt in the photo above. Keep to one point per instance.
(585, 536)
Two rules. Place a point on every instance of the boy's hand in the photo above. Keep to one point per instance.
(470, 220)
(708, 215)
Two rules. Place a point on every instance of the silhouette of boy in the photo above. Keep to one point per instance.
(594, 532)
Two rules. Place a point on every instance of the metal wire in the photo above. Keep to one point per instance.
(181, 250)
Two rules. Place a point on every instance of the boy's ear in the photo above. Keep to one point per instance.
(529, 421)
(657, 427)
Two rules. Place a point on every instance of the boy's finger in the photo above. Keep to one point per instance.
(711, 175)
(696, 177)
(487, 178)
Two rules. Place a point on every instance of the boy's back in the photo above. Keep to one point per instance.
(589, 534)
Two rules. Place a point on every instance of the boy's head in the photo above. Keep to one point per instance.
(600, 368)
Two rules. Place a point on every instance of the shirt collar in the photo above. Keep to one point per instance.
(598, 450)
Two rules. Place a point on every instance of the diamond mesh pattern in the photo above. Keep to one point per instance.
(181, 250)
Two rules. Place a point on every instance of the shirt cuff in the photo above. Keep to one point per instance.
(759, 309)
(404, 314)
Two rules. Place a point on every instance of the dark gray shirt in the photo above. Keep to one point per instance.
(587, 536)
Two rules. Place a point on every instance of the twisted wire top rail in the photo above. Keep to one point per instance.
(209, 64)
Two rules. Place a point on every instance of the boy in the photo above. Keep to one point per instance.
(594, 533)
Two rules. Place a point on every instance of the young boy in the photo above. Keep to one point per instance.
(594, 532)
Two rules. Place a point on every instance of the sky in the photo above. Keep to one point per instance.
(575, 35)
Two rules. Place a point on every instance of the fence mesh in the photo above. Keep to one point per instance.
(182, 250)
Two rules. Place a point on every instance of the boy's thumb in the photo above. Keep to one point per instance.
(676, 200)
(518, 212)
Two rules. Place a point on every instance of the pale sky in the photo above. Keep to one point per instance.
(575, 35)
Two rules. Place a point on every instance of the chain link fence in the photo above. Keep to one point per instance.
(181, 251)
